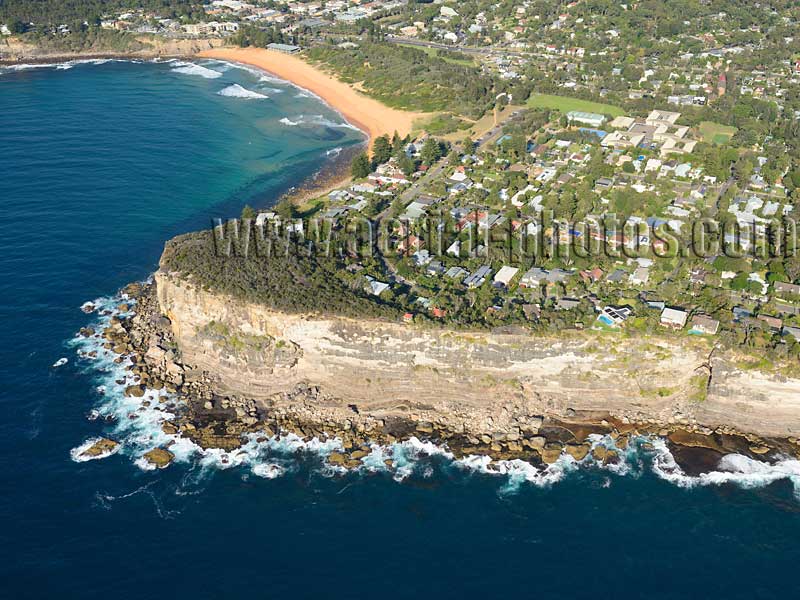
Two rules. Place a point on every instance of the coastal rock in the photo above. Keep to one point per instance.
(551, 452)
(337, 458)
(101, 447)
(425, 427)
(577, 451)
(537, 442)
(159, 457)
(136, 391)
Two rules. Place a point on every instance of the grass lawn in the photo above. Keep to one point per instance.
(716, 133)
(566, 104)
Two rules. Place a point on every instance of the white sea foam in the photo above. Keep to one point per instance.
(194, 69)
(60, 362)
(333, 151)
(237, 91)
(740, 470)
(268, 470)
(289, 122)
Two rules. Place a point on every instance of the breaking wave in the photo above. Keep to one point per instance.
(186, 68)
(237, 91)
(317, 121)
(60, 66)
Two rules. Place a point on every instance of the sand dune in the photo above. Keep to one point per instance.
(367, 114)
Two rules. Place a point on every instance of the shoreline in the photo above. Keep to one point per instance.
(365, 113)
(215, 419)
(333, 174)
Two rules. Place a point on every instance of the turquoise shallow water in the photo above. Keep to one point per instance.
(99, 164)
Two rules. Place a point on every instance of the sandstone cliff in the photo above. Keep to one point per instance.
(478, 381)
(16, 50)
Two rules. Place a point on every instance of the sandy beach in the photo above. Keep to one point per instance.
(369, 115)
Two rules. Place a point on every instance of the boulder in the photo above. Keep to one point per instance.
(337, 458)
(551, 452)
(577, 451)
(137, 391)
(537, 442)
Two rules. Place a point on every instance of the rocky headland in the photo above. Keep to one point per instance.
(240, 368)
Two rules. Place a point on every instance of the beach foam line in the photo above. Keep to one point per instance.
(237, 91)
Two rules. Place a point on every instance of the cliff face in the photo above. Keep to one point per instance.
(14, 49)
(487, 379)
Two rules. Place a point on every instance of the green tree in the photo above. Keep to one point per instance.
(382, 150)
(406, 165)
(431, 151)
(248, 212)
(360, 166)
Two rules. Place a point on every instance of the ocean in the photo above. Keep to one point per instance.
(100, 163)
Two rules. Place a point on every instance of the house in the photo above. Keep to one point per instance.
(781, 287)
(533, 278)
(616, 276)
(407, 243)
(435, 267)
(285, 48)
(603, 183)
(375, 287)
(614, 316)
(773, 323)
(785, 308)
(704, 325)
(640, 276)
(478, 277)
(740, 313)
(457, 273)
(591, 276)
(792, 331)
(674, 318)
(558, 275)
(504, 276)
(567, 303)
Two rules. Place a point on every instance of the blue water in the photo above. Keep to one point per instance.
(99, 164)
